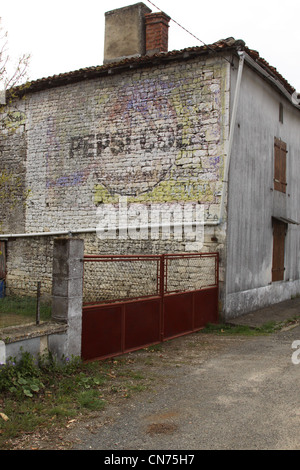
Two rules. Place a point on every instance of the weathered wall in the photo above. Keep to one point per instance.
(29, 261)
(13, 168)
(125, 32)
(151, 135)
(154, 136)
(253, 200)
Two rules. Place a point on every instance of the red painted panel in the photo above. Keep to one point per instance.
(101, 331)
(116, 328)
(178, 314)
(142, 323)
(205, 307)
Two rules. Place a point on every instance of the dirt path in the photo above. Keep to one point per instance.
(155, 368)
(198, 392)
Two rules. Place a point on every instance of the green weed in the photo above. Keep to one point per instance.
(228, 329)
(42, 392)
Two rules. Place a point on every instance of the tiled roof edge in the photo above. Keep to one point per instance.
(223, 45)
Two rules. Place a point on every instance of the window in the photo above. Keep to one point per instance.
(279, 232)
(280, 165)
(280, 112)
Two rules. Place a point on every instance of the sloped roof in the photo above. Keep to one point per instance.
(224, 45)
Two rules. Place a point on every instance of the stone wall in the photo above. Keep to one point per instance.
(13, 192)
(30, 260)
(152, 135)
(117, 278)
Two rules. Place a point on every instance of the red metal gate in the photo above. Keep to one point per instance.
(133, 301)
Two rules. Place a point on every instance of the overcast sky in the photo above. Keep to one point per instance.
(65, 35)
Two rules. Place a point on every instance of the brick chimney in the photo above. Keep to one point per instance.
(157, 32)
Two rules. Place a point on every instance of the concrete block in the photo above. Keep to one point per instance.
(2, 353)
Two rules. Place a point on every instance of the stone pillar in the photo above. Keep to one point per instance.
(67, 288)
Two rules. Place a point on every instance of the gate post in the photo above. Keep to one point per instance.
(67, 289)
(162, 281)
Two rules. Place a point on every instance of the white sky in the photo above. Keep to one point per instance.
(65, 35)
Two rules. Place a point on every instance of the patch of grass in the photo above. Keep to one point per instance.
(24, 307)
(90, 399)
(155, 347)
(20, 419)
(227, 329)
(59, 391)
(61, 411)
(132, 374)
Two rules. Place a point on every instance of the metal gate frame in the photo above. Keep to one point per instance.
(112, 328)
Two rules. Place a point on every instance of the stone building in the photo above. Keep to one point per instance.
(211, 132)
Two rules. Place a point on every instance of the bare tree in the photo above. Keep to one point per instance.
(12, 191)
(10, 78)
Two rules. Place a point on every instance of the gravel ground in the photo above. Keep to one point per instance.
(208, 393)
(200, 392)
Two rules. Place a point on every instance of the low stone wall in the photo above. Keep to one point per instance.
(35, 339)
(62, 335)
(30, 259)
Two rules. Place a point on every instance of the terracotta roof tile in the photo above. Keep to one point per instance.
(137, 62)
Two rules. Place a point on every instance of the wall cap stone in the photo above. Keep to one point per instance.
(13, 334)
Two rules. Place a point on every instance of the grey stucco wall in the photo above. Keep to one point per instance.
(253, 201)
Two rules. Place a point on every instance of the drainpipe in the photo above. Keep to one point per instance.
(231, 134)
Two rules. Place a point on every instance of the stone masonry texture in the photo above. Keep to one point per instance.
(155, 135)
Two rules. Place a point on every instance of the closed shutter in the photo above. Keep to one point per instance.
(279, 231)
(280, 165)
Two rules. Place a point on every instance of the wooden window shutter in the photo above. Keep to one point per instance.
(279, 231)
(280, 152)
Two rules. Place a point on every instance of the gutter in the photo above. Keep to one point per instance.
(99, 230)
(45, 234)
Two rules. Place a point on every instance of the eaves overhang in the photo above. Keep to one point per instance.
(223, 47)
(226, 48)
(273, 78)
